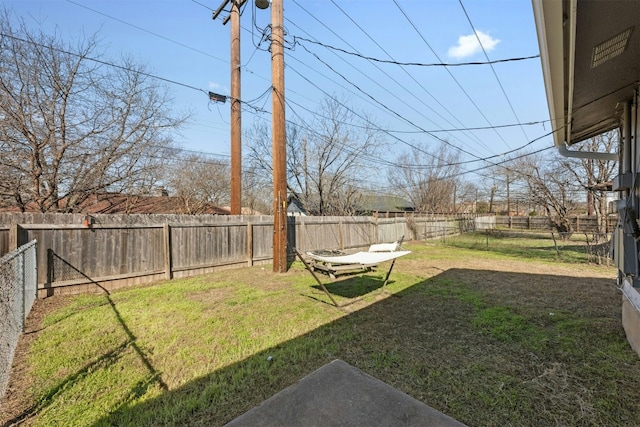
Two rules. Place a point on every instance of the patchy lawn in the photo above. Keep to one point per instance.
(489, 336)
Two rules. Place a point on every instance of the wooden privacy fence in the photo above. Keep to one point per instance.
(77, 253)
(579, 224)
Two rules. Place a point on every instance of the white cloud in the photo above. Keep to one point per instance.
(468, 45)
(218, 87)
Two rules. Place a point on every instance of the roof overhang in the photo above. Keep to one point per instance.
(590, 53)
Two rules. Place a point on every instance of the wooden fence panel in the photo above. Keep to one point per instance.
(391, 229)
(196, 246)
(122, 250)
(357, 232)
(579, 224)
(319, 233)
(262, 241)
(4, 241)
(82, 254)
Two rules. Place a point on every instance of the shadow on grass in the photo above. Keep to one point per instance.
(485, 347)
(108, 358)
(354, 286)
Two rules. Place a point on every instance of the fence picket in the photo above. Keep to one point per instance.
(121, 250)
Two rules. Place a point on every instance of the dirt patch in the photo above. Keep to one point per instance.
(16, 400)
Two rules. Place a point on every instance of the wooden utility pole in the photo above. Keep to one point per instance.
(279, 140)
(236, 126)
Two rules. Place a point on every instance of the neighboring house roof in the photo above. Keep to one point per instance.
(112, 203)
(295, 207)
(367, 204)
(119, 204)
(385, 204)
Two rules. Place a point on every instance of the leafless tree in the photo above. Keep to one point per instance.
(256, 190)
(506, 187)
(73, 125)
(328, 158)
(199, 181)
(592, 174)
(550, 185)
(429, 178)
(558, 184)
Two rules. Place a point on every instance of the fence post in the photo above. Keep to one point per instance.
(249, 244)
(168, 273)
(23, 313)
(14, 237)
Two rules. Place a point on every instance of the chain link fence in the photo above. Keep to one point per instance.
(18, 291)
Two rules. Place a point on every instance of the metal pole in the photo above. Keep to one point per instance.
(279, 140)
(236, 127)
(23, 311)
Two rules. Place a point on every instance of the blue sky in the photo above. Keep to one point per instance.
(180, 42)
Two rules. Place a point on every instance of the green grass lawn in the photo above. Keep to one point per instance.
(509, 334)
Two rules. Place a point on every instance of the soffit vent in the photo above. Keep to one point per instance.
(611, 48)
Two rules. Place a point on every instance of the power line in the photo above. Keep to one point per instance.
(420, 85)
(486, 159)
(413, 25)
(100, 61)
(493, 68)
(395, 112)
(121, 67)
(417, 64)
(378, 83)
(148, 31)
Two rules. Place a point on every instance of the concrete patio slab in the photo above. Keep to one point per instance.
(339, 394)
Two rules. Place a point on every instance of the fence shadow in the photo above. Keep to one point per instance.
(62, 268)
(422, 346)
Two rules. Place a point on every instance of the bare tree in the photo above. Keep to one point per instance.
(256, 190)
(429, 178)
(199, 182)
(73, 125)
(327, 159)
(550, 185)
(558, 184)
(505, 186)
(591, 174)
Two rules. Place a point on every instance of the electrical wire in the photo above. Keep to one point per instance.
(420, 85)
(103, 62)
(413, 25)
(486, 159)
(398, 115)
(385, 88)
(189, 86)
(186, 46)
(416, 64)
(495, 74)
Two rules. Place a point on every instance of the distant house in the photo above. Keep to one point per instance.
(295, 207)
(116, 203)
(368, 205)
(386, 206)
